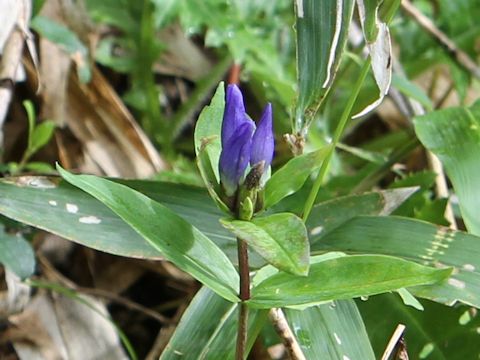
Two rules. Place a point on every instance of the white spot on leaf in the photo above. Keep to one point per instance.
(468, 267)
(426, 350)
(71, 208)
(41, 183)
(345, 357)
(316, 230)
(52, 202)
(456, 283)
(90, 220)
(337, 339)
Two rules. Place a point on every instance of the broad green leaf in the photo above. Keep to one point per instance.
(16, 254)
(291, 177)
(41, 135)
(331, 331)
(281, 239)
(454, 136)
(67, 40)
(175, 238)
(42, 202)
(322, 27)
(209, 129)
(411, 90)
(52, 204)
(437, 333)
(418, 241)
(343, 278)
(208, 329)
(330, 214)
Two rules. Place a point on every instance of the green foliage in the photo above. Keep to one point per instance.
(167, 232)
(38, 137)
(438, 332)
(418, 241)
(68, 41)
(343, 277)
(16, 254)
(208, 130)
(347, 245)
(281, 239)
(321, 36)
(207, 329)
(334, 329)
(291, 177)
(454, 135)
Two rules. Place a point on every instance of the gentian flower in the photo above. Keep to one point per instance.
(242, 142)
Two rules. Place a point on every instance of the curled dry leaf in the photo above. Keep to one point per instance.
(380, 49)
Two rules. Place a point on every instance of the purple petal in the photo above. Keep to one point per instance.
(262, 142)
(235, 156)
(234, 114)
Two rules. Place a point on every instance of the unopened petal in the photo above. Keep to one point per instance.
(263, 142)
(234, 113)
(234, 157)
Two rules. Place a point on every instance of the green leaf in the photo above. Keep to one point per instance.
(291, 177)
(208, 175)
(369, 18)
(67, 40)
(52, 204)
(29, 108)
(16, 254)
(438, 332)
(454, 136)
(343, 278)
(39, 167)
(322, 27)
(335, 329)
(208, 329)
(41, 135)
(409, 300)
(167, 232)
(209, 128)
(281, 239)
(330, 214)
(418, 241)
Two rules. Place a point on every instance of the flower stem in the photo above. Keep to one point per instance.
(244, 295)
(336, 138)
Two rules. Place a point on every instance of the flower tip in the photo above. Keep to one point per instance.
(234, 94)
(263, 142)
(267, 116)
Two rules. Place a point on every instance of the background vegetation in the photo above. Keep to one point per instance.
(115, 88)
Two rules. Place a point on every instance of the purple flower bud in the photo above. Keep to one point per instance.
(235, 156)
(262, 142)
(240, 145)
(234, 114)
